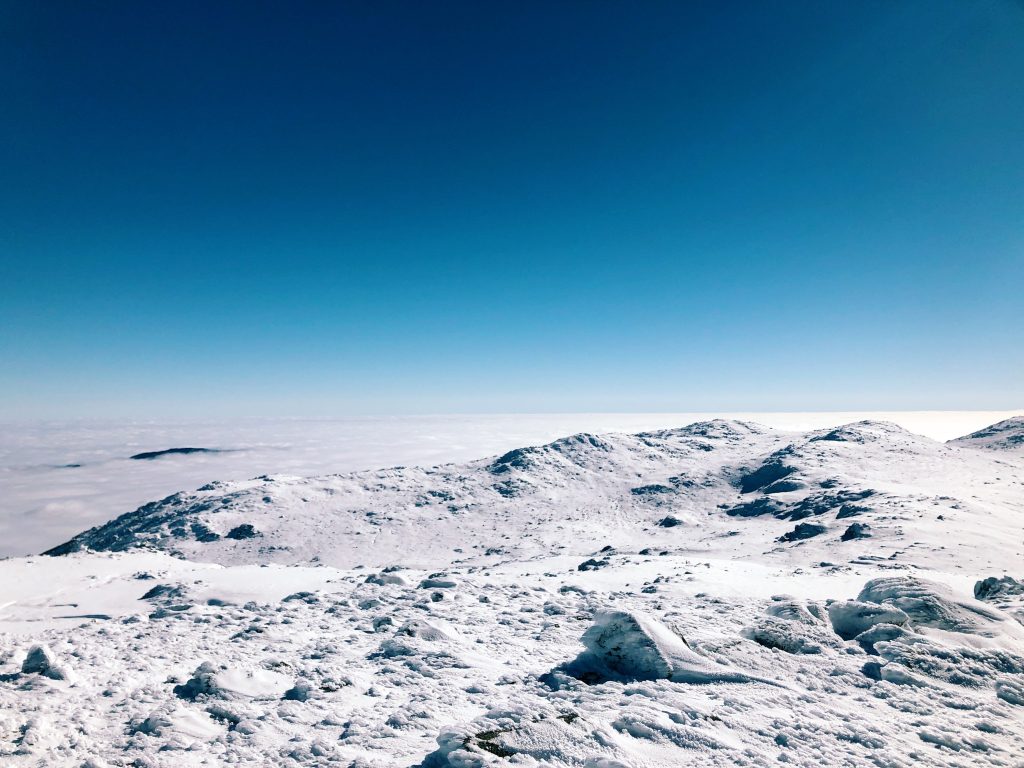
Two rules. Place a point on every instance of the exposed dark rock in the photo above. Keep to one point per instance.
(243, 531)
(851, 510)
(784, 486)
(169, 591)
(764, 475)
(648, 490)
(67, 548)
(203, 533)
(755, 508)
(803, 531)
(509, 488)
(842, 434)
(856, 531)
(820, 503)
(1007, 434)
(40, 661)
(520, 458)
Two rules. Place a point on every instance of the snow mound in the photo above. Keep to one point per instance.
(628, 645)
(928, 604)
(852, 617)
(175, 720)
(793, 626)
(210, 681)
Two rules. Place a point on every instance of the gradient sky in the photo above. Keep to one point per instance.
(375, 207)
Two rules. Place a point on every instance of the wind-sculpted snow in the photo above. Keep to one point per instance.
(628, 646)
(646, 600)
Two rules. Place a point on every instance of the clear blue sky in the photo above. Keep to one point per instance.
(377, 207)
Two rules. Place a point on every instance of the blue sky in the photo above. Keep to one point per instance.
(343, 208)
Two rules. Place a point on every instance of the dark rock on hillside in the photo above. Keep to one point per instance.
(166, 591)
(851, 510)
(856, 531)
(243, 531)
(844, 434)
(784, 486)
(518, 458)
(820, 503)
(203, 533)
(803, 531)
(764, 475)
(650, 490)
(755, 508)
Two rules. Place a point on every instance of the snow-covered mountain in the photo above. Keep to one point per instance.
(1006, 435)
(688, 488)
(718, 594)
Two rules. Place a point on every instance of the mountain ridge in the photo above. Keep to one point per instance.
(574, 494)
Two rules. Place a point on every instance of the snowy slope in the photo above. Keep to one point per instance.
(694, 489)
(719, 594)
(1006, 435)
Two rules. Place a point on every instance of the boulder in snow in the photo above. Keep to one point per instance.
(41, 661)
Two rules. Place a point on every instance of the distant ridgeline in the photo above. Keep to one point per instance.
(147, 455)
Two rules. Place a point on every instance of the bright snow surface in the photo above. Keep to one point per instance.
(719, 594)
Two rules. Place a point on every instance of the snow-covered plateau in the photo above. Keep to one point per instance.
(719, 594)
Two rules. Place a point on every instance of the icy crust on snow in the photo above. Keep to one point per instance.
(536, 609)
